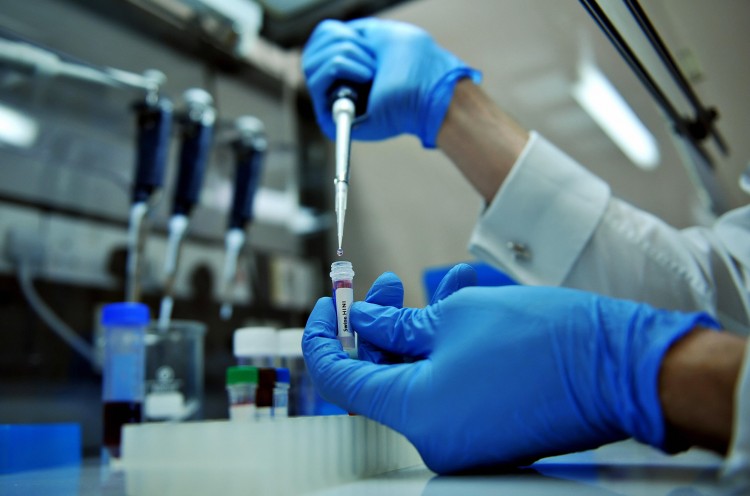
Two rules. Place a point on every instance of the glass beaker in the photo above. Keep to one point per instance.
(174, 371)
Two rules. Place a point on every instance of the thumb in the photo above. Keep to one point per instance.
(460, 276)
(405, 331)
(387, 290)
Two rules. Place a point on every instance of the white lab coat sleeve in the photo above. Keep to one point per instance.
(736, 470)
(555, 223)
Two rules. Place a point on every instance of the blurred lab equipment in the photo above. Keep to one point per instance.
(347, 102)
(124, 359)
(242, 383)
(249, 148)
(624, 30)
(154, 122)
(31, 59)
(302, 395)
(255, 346)
(265, 393)
(196, 133)
(281, 393)
(342, 276)
(290, 457)
(174, 370)
(38, 446)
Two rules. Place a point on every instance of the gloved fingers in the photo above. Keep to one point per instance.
(350, 51)
(387, 290)
(357, 386)
(322, 323)
(371, 353)
(404, 331)
(328, 32)
(338, 67)
(369, 27)
(460, 276)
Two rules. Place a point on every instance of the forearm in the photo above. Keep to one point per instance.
(697, 387)
(480, 139)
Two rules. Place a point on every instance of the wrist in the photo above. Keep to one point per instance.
(439, 100)
(480, 139)
(697, 384)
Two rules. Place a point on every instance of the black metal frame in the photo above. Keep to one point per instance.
(696, 129)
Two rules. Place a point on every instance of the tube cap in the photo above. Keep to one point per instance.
(242, 374)
(282, 375)
(126, 313)
(255, 341)
(341, 269)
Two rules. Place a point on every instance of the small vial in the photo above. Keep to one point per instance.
(242, 382)
(281, 393)
(124, 369)
(264, 394)
(342, 276)
(255, 346)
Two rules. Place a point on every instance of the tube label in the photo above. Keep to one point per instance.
(344, 298)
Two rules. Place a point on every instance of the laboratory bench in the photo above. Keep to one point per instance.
(625, 468)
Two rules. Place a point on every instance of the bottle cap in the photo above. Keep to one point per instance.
(290, 342)
(255, 341)
(242, 374)
(126, 313)
(282, 375)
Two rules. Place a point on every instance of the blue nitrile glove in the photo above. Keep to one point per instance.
(388, 290)
(412, 77)
(511, 374)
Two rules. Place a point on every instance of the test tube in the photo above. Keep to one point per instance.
(264, 394)
(281, 393)
(124, 367)
(342, 276)
(242, 382)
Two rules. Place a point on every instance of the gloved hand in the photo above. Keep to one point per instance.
(412, 77)
(389, 291)
(508, 374)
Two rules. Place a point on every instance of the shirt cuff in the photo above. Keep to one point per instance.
(542, 217)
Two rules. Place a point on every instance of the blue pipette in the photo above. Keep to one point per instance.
(154, 126)
(196, 133)
(249, 147)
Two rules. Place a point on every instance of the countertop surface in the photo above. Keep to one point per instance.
(626, 468)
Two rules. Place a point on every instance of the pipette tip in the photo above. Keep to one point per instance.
(340, 252)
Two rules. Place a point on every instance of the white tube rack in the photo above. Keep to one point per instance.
(280, 457)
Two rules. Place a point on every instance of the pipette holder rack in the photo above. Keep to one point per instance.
(274, 456)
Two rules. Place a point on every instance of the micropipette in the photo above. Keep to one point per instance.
(197, 124)
(249, 148)
(154, 123)
(348, 102)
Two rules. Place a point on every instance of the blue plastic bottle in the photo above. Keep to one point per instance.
(124, 365)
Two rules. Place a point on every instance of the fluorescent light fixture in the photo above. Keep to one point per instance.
(605, 105)
(16, 129)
